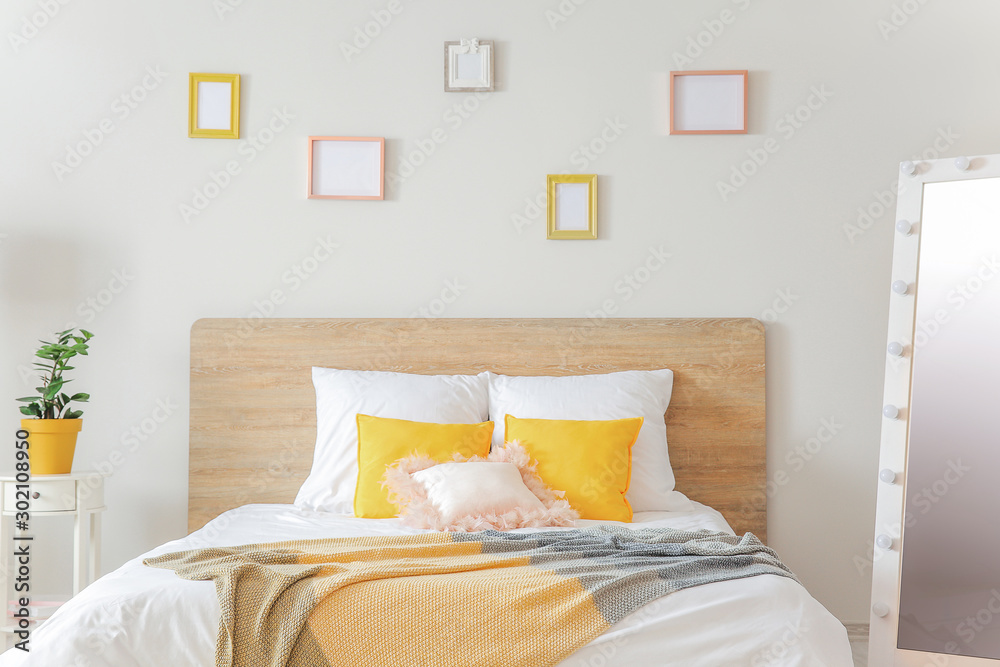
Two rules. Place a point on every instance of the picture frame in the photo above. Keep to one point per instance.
(709, 102)
(346, 168)
(572, 206)
(213, 106)
(468, 66)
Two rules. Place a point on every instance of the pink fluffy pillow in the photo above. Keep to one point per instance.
(418, 509)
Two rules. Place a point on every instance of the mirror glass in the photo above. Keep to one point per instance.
(950, 579)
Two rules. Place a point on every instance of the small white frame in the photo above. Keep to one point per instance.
(346, 167)
(468, 66)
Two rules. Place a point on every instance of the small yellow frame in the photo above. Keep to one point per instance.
(552, 181)
(233, 132)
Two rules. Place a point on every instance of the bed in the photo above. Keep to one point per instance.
(253, 428)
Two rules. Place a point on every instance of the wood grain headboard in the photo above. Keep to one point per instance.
(253, 423)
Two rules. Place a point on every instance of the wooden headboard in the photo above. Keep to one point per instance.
(253, 422)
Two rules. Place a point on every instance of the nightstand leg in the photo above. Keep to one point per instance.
(81, 547)
(95, 548)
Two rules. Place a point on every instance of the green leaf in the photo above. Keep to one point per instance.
(83, 398)
(53, 389)
(27, 411)
(29, 399)
(87, 334)
(73, 414)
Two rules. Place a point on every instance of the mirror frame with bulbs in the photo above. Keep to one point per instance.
(887, 557)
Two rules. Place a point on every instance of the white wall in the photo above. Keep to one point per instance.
(778, 241)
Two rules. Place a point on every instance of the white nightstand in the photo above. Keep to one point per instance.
(80, 495)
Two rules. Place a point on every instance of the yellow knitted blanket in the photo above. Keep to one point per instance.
(490, 598)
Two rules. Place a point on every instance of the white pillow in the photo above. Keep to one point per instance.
(476, 488)
(341, 395)
(609, 396)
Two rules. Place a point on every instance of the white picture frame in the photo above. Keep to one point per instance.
(468, 66)
(709, 102)
(346, 168)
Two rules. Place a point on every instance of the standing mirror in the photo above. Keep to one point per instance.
(936, 569)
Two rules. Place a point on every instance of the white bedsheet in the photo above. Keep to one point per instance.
(144, 616)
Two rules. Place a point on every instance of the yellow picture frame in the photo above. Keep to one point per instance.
(576, 219)
(222, 119)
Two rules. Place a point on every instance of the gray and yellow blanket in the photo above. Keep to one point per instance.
(490, 598)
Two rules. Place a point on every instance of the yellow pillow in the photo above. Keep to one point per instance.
(590, 460)
(382, 442)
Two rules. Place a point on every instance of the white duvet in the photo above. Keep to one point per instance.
(144, 616)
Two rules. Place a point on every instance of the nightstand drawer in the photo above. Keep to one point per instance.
(54, 496)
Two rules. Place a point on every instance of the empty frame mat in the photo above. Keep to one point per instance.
(346, 167)
(572, 206)
(708, 102)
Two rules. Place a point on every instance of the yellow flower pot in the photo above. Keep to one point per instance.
(51, 444)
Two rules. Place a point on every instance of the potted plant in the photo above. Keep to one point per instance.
(53, 426)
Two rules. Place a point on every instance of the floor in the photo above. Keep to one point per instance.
(857, 633)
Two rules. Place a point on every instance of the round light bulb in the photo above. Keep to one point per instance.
(962, 163)
(900, 287)
(907, 167)
(883, 542)
(880, 609)
(904, 227)
(887, 476)
(895, 349)
(890, 412)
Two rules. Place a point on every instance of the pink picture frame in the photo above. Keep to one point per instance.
(346, 168)
(709, 102)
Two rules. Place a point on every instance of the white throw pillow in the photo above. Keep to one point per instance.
(341, 395)
(609, 396)
(476, 488)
